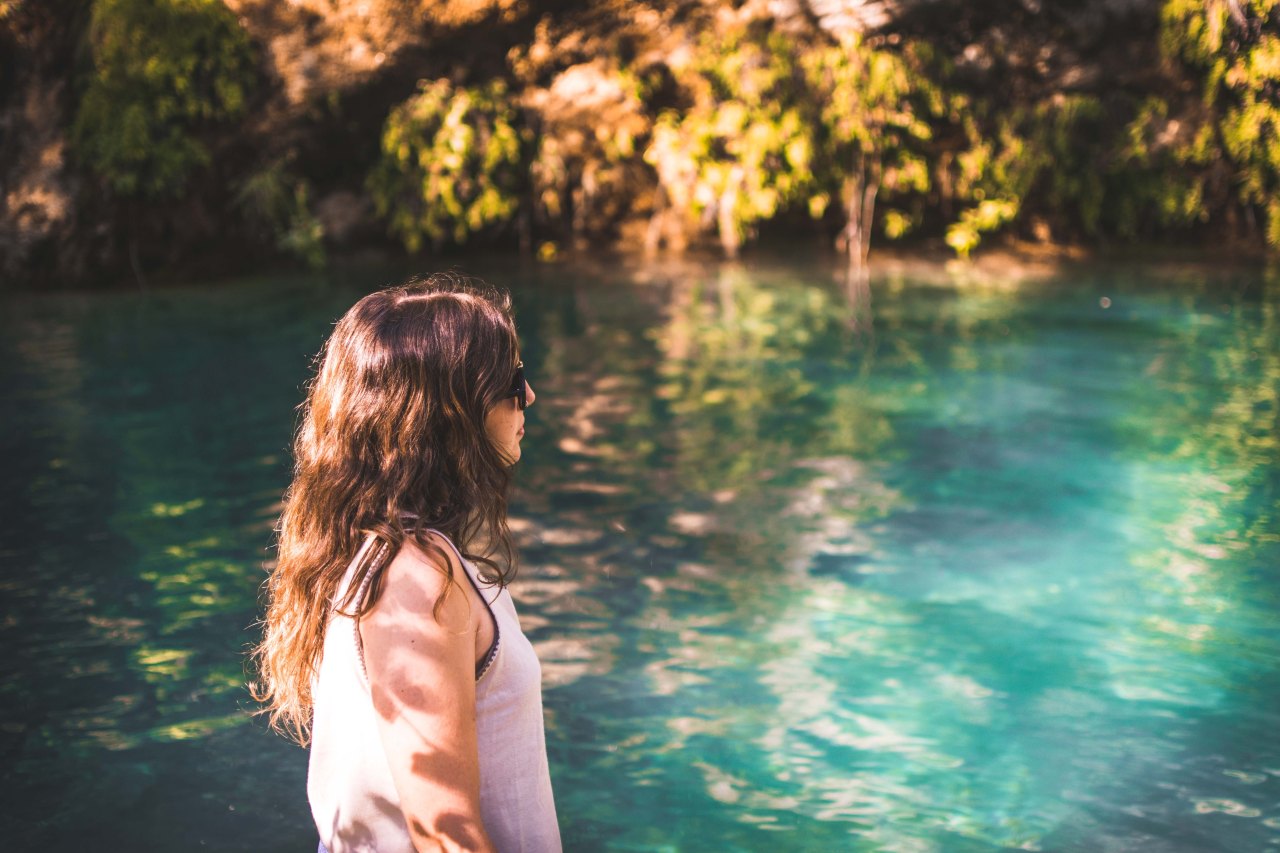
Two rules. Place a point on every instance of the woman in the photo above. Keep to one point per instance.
(385, 643)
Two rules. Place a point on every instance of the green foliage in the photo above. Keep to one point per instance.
(1045, 152)
(278, 201)
(743, 123)
(1159, 173)
(164, 71)
(743, 149)
(896, 224)
(883, 113)
(989, 215)
(873, 118)
(1234, 57)
(1068, 132)
(451, 163)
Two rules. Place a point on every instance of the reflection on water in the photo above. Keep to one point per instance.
(997, 572)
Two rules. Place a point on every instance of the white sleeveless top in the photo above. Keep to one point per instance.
(353, 798)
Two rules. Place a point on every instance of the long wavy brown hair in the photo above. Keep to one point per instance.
(391, 442)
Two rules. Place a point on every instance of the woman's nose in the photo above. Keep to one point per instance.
(529, 396)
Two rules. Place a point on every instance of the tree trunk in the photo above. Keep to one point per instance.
(855, 240)
(725, 218)
(850, 241)
(860, 207)
(870, 188)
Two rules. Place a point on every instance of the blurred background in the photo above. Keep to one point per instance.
(168, 138)
(904, 473)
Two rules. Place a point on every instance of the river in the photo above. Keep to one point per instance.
(985, 563)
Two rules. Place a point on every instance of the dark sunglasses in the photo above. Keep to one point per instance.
(518, 387)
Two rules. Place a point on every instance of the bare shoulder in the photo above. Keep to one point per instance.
(418, 578)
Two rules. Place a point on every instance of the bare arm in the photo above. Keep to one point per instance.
(422, 677)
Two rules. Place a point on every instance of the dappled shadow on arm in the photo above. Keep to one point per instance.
(421, 665)
(452, 831)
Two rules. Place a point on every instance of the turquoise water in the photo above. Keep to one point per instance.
(997, 570)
